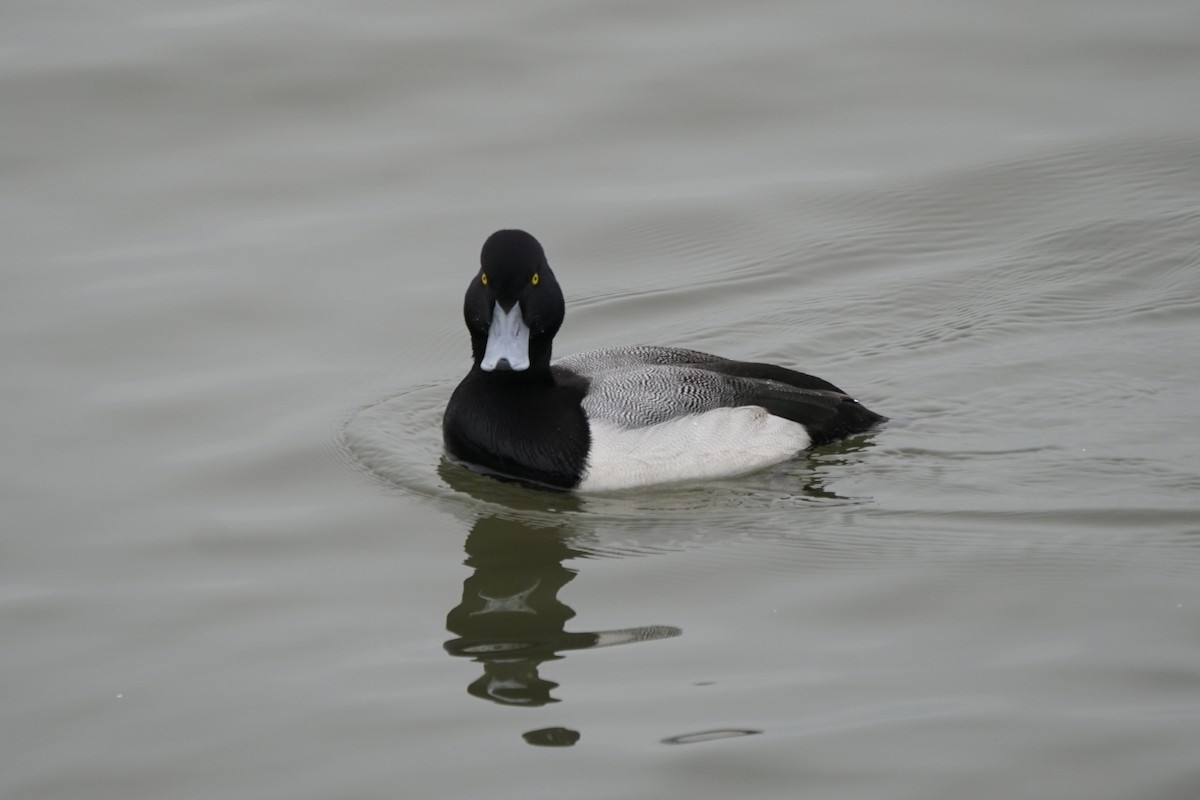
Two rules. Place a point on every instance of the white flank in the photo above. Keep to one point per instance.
(714, 444)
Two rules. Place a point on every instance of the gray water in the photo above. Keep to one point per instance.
(235, 241)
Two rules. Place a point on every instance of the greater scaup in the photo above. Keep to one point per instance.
(620, 417)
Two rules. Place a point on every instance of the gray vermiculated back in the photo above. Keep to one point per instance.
(637, 387)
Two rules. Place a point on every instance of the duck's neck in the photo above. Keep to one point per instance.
(534, 375)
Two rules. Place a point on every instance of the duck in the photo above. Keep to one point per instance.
(621, 417)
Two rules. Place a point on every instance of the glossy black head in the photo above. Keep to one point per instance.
(513, 306)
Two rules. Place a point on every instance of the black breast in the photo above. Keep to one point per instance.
(507, 425)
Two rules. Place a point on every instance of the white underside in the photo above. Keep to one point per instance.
(714, 444)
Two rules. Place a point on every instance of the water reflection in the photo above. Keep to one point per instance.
(551, 737)
(710, 735)
(511, 619)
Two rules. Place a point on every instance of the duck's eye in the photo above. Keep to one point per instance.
(534, 280)
(483, 278)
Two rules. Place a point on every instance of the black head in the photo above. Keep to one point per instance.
(513, 306)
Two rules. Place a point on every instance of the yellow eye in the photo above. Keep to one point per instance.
(483, 278)
(534, 280)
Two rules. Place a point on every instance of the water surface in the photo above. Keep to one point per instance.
(236, 241)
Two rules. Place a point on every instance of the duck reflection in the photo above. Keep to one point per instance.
(811, 473)
(511, 619)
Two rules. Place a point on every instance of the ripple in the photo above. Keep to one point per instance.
(711, 735)
(396, 442)
(1030, 316)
